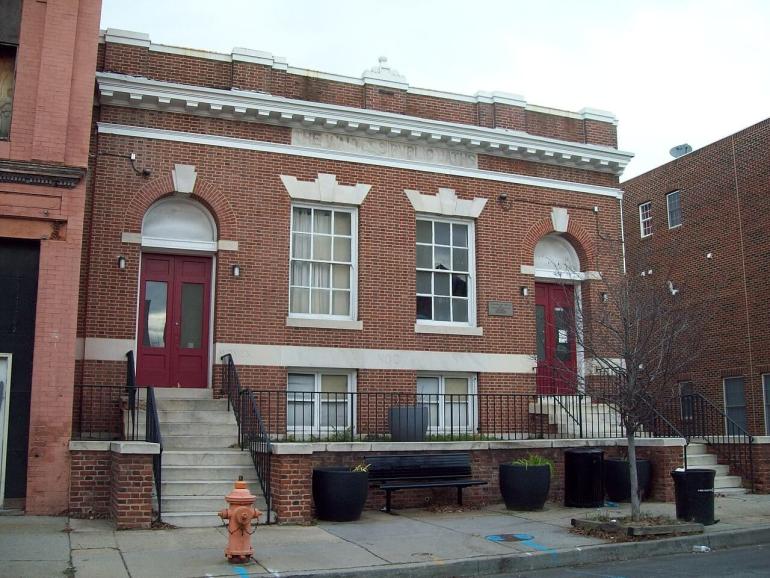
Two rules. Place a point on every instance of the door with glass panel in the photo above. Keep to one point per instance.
(555, 338)
(174, 304)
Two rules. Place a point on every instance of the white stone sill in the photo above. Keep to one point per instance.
(447, 329)
(115, 447)
(280, 448)
(324, 323)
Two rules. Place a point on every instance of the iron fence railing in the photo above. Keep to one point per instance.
(704, 421)
(152, 429)
(252, 433)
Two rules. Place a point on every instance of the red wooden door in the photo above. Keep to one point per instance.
(556, 352)
(174, 301)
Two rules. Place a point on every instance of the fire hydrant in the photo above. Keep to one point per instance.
(240, 514)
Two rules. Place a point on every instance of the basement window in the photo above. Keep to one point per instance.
(7, 81)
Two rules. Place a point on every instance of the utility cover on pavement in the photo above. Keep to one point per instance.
(510, 537)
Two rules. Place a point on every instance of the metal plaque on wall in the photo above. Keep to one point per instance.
(500, 308)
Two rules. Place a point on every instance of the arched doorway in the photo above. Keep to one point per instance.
(173, 346)
(557, 271)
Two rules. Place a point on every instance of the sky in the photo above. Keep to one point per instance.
(672, 72)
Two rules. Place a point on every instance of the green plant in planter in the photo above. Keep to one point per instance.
(534, 460)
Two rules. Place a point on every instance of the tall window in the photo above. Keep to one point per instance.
(451, 402)
(674, 206)
(7, 81)
(445, 271)
(735, 404)
(323, 262)
(766, 389)
(645, 219)
(319, 402)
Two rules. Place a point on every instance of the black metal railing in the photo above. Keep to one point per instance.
(395, 416)
(152, 429)
(132, 423)
(252, 433)
(97, 412)
(704, 421)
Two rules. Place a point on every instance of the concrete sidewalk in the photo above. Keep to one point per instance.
(413, 543)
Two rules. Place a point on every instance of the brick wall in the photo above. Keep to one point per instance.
(131, 490)
(725, 200)
(90, 483)
(291, 478)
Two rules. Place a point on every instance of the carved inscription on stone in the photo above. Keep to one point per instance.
(377, 147)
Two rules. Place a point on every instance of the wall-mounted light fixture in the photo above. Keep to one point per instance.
(524, 291)
(121, 262)
(502, 197)
(603, 296)
(236, 270)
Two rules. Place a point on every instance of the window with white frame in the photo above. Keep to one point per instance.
(451, 402)
(319, 401)
(323, 262)
(645, 219)
(445, 269)
(674, 206)
(735, 405)
(766, 390)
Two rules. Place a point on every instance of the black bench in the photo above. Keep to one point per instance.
(409, 472)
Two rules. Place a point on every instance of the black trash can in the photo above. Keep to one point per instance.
(584, 478)
(694, 490)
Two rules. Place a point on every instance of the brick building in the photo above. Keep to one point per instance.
(47, 64)
(702, 220)
(335, 235)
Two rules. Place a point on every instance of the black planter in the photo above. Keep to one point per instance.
(617, 478)
(339, 495)
(524, 487)
(408, 423)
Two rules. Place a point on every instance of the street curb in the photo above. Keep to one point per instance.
(490, 565)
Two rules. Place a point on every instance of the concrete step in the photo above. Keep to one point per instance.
(182, 442)
(700, 460)
(206, 487)
(223, 457)
(696, 450)
(731, 491)
(200, 430)
(174, 504)
(201, 519)
(182, 393)
(193, 405)
(721, 482)
(208, 473)
(720, 469)
(196, 416)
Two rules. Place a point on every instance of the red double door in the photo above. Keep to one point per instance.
(556, 352)
(174, 306)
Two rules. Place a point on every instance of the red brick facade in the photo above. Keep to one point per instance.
(719, 254)
(43, 193)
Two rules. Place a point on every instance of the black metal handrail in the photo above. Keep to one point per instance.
(132, 429)
(701, 419)
(252, 433)
(658, 423)
(153, 435)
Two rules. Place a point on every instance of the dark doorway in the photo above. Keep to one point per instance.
(18, 298)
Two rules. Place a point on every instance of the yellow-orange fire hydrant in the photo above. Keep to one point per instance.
(240, 514)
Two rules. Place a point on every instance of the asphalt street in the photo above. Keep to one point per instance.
(749, 561)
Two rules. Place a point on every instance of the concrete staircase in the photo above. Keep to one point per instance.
(698, 457)
(598, 419)
(201, 458)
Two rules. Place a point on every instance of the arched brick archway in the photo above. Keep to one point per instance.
(204, 192)
(575, 234)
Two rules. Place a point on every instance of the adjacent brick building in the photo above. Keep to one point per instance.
(47, 63)
(332, 233)
(701, 221)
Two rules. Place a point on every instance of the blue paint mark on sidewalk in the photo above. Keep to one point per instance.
(526, 539)
(240, 571)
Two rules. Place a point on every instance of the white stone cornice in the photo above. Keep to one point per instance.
(325, 189)
(141, 132)
(117, 36)
(445, 203)
(384, 75)
(122, 90)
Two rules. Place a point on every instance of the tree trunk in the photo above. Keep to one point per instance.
(636, 502)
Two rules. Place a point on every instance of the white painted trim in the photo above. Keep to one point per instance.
(191, 52)
(167, 244)
(260, 146)
(324, 323)
(136, 92)
(527, 269)
(446, 203)
(224, 245)
(89, 446)
(427, 327)
(105, 349)
(325, 189)
(118, 36)
(341, 357)
(134, 448)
